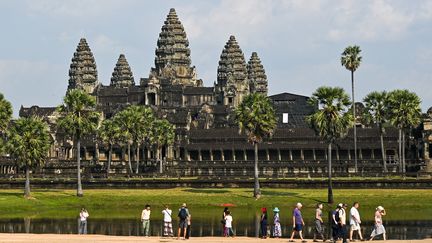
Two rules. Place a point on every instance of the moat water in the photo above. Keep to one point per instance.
(200, 227)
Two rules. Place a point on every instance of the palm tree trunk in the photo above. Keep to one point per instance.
(129, 159)
(137, 159)
(257, 191)
(109, 159)
(400, 150)
(355, 128)
(403, 152)
(159, 158)
(383, 153)
(330, 185)
(27, 183)
(79, 188)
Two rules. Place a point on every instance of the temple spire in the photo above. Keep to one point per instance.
(83, 72)
(173, 62)
(122, 76)
(256, 75)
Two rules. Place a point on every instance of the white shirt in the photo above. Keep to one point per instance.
(228, 221)
(167, 215)
(145, 215)
(342, 216)
(354, 213)
(83, 216)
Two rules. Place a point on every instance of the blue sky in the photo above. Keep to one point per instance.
(299, 42)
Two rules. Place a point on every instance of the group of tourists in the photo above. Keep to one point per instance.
(338, 219)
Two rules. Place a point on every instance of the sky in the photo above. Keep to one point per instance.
(299, 42)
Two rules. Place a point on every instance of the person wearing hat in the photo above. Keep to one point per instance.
(342, 223)
(379, 227)
(277, 230)
(263, 223)
(319, 229)
(298, 223)
(182, 215)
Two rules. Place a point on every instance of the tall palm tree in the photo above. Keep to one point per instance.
(351, 60)
(376, 112)
(148, 119)
(331, 121)
(77, 119)
(405, 112)
(29, 142)
(256, 118)
(162, 134)
(5, 117)
(109, 133)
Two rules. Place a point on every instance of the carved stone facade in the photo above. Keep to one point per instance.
(256, 75)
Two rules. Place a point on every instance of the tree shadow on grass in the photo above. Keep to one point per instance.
(210, 191)
(14, 194)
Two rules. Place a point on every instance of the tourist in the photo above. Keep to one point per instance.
(319, 223)
(83, 221)
(342, 223)
(228, 224)
(355, 221)
(335, 223)
(379, 227)
(168, 231)
(188, 223)
(182, 215)
(145, 219)
(263, 223)
(298, 223)
(223, 221)
(277, 230)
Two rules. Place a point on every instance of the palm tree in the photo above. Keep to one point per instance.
(331, 121)
(376, 113)
(5, 117)
(110, 133)
(351, 60)
(405, 112)
(162, 134)
(257, 119)
(29, 142)
(77, 119)
(145, 131)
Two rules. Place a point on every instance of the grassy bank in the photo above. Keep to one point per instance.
(119, 203)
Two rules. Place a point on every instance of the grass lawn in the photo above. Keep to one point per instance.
(128, 203)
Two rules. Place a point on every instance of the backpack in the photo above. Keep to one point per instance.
(183, 214)
(336, 216)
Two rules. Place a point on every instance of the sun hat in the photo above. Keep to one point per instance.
(380, 208)
(184, 205)
(276, 210)
(299, 205)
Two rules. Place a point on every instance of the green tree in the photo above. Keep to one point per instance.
(77, 119)
(351, 60)
(110, 134)
(256, 118)
(162, 134)
(405, 112)
(5, 117)
(331, 121)
(29, 142)
(376, 113)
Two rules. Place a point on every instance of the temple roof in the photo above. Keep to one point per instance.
(122, 75)
(232, 65)
(198, 91)
(83, 70)
(256, 75)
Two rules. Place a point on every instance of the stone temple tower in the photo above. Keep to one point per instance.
(256, 75)
(83, 72)
(232, 81)
(173, 62)
(122, 76)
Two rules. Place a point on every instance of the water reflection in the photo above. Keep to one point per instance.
(200, 227)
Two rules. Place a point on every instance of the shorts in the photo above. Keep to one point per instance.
(355, 226)
(182, 224)
(298, 227)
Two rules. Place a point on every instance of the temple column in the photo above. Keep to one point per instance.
(199, 155)
(337, 154)
(426, 150)
(290, 155)
(349, 154)
(314, 154)
(245, 154)
(279, 154)
(211, 154)
(360, 154)
(267, 154)
(373, 153)
(187, 155)
(302, 154)
(222, 155)
(233, 155)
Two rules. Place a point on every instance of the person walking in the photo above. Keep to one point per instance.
(355, 221)
(335, 223)
(182, 215)
(168, 230)
(223, 221)
(188, 223)
(145, 219)
(277, 230)
(228, 224)
(342, 223)
(83, 221)
(263, 223)
(298, 223)
(378, 226)
(319, 223)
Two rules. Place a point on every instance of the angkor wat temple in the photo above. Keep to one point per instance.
(208, 142)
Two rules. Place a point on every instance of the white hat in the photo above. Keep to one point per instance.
(340, 205)
(380, 208)
(299, 205)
